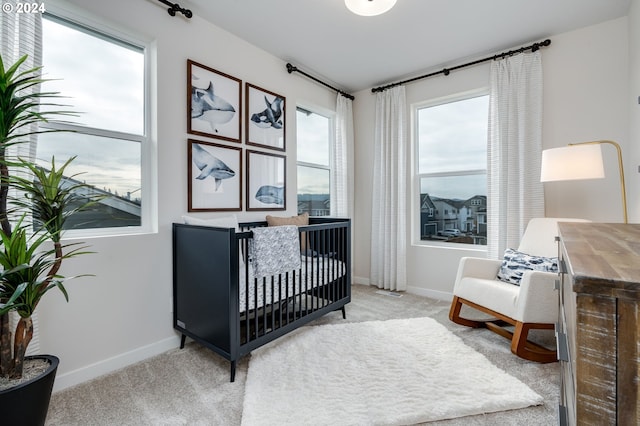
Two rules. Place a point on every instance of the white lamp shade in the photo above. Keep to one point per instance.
(369, 7)
(572, 163)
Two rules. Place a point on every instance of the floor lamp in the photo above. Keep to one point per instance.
(580, 161)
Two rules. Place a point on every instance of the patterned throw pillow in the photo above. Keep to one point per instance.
(515, 263)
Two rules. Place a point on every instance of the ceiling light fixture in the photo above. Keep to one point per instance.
(369, 7)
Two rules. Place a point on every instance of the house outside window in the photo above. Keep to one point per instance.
(451, 164)
(314, 142)
(103, 77)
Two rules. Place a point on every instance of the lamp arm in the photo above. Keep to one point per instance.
(620, 167)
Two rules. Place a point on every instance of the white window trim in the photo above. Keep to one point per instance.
(149, 172)
(414, 205)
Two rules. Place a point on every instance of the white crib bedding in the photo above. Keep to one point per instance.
(314, 272)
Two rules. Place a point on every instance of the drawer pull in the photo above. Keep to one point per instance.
(562, 416)
(563, 349)
(562, 267)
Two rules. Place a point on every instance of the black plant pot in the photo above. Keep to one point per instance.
(27, 404)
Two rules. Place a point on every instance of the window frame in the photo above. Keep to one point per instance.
(331, 116)
(416, 201)
(81, 21)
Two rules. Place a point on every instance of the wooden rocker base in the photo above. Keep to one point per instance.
(520, 346)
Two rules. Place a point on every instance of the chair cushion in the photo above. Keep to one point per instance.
(493, 294)
(515, 262)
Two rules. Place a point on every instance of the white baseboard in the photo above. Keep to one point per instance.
(360, 280)
(420, 291)
(108, 365)
(434, 294)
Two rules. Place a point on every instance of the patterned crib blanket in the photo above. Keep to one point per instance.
(274, 250)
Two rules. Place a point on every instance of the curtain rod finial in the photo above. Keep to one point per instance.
(175, 7)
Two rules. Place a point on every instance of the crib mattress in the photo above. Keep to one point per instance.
(314, 272)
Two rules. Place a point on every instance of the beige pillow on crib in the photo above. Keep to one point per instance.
(300, 220)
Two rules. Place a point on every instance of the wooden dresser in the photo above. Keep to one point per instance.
(599, 323)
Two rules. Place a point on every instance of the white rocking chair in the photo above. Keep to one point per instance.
(531, 305)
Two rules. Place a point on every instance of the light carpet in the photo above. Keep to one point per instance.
(394, 372)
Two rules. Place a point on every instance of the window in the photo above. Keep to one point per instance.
(451, 139)
(314, 138)
(102, 77)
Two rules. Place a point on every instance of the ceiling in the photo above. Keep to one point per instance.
(351, 52)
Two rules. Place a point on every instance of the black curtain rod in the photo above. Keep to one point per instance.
(534, 47)
(291, 68)
(175, 7)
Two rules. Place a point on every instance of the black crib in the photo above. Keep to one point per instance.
(218, 303)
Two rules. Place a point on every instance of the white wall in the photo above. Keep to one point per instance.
(123, 314)
(586, 84)
(586, 98)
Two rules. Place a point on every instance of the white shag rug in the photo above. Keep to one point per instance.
(396, 372)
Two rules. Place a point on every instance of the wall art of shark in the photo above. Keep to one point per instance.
(210, 166)
(270, 194)
(207, 106)
(270, 117)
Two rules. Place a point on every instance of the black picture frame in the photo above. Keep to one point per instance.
(214, 103)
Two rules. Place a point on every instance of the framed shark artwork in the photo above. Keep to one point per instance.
(215, 177)
(265, 120)
(266, 181)
(214, 103)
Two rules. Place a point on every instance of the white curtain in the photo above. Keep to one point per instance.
(515, 146)
(21, 34)
(388, 222)
(342, 171)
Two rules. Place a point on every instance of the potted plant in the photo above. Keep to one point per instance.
(31, 249)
